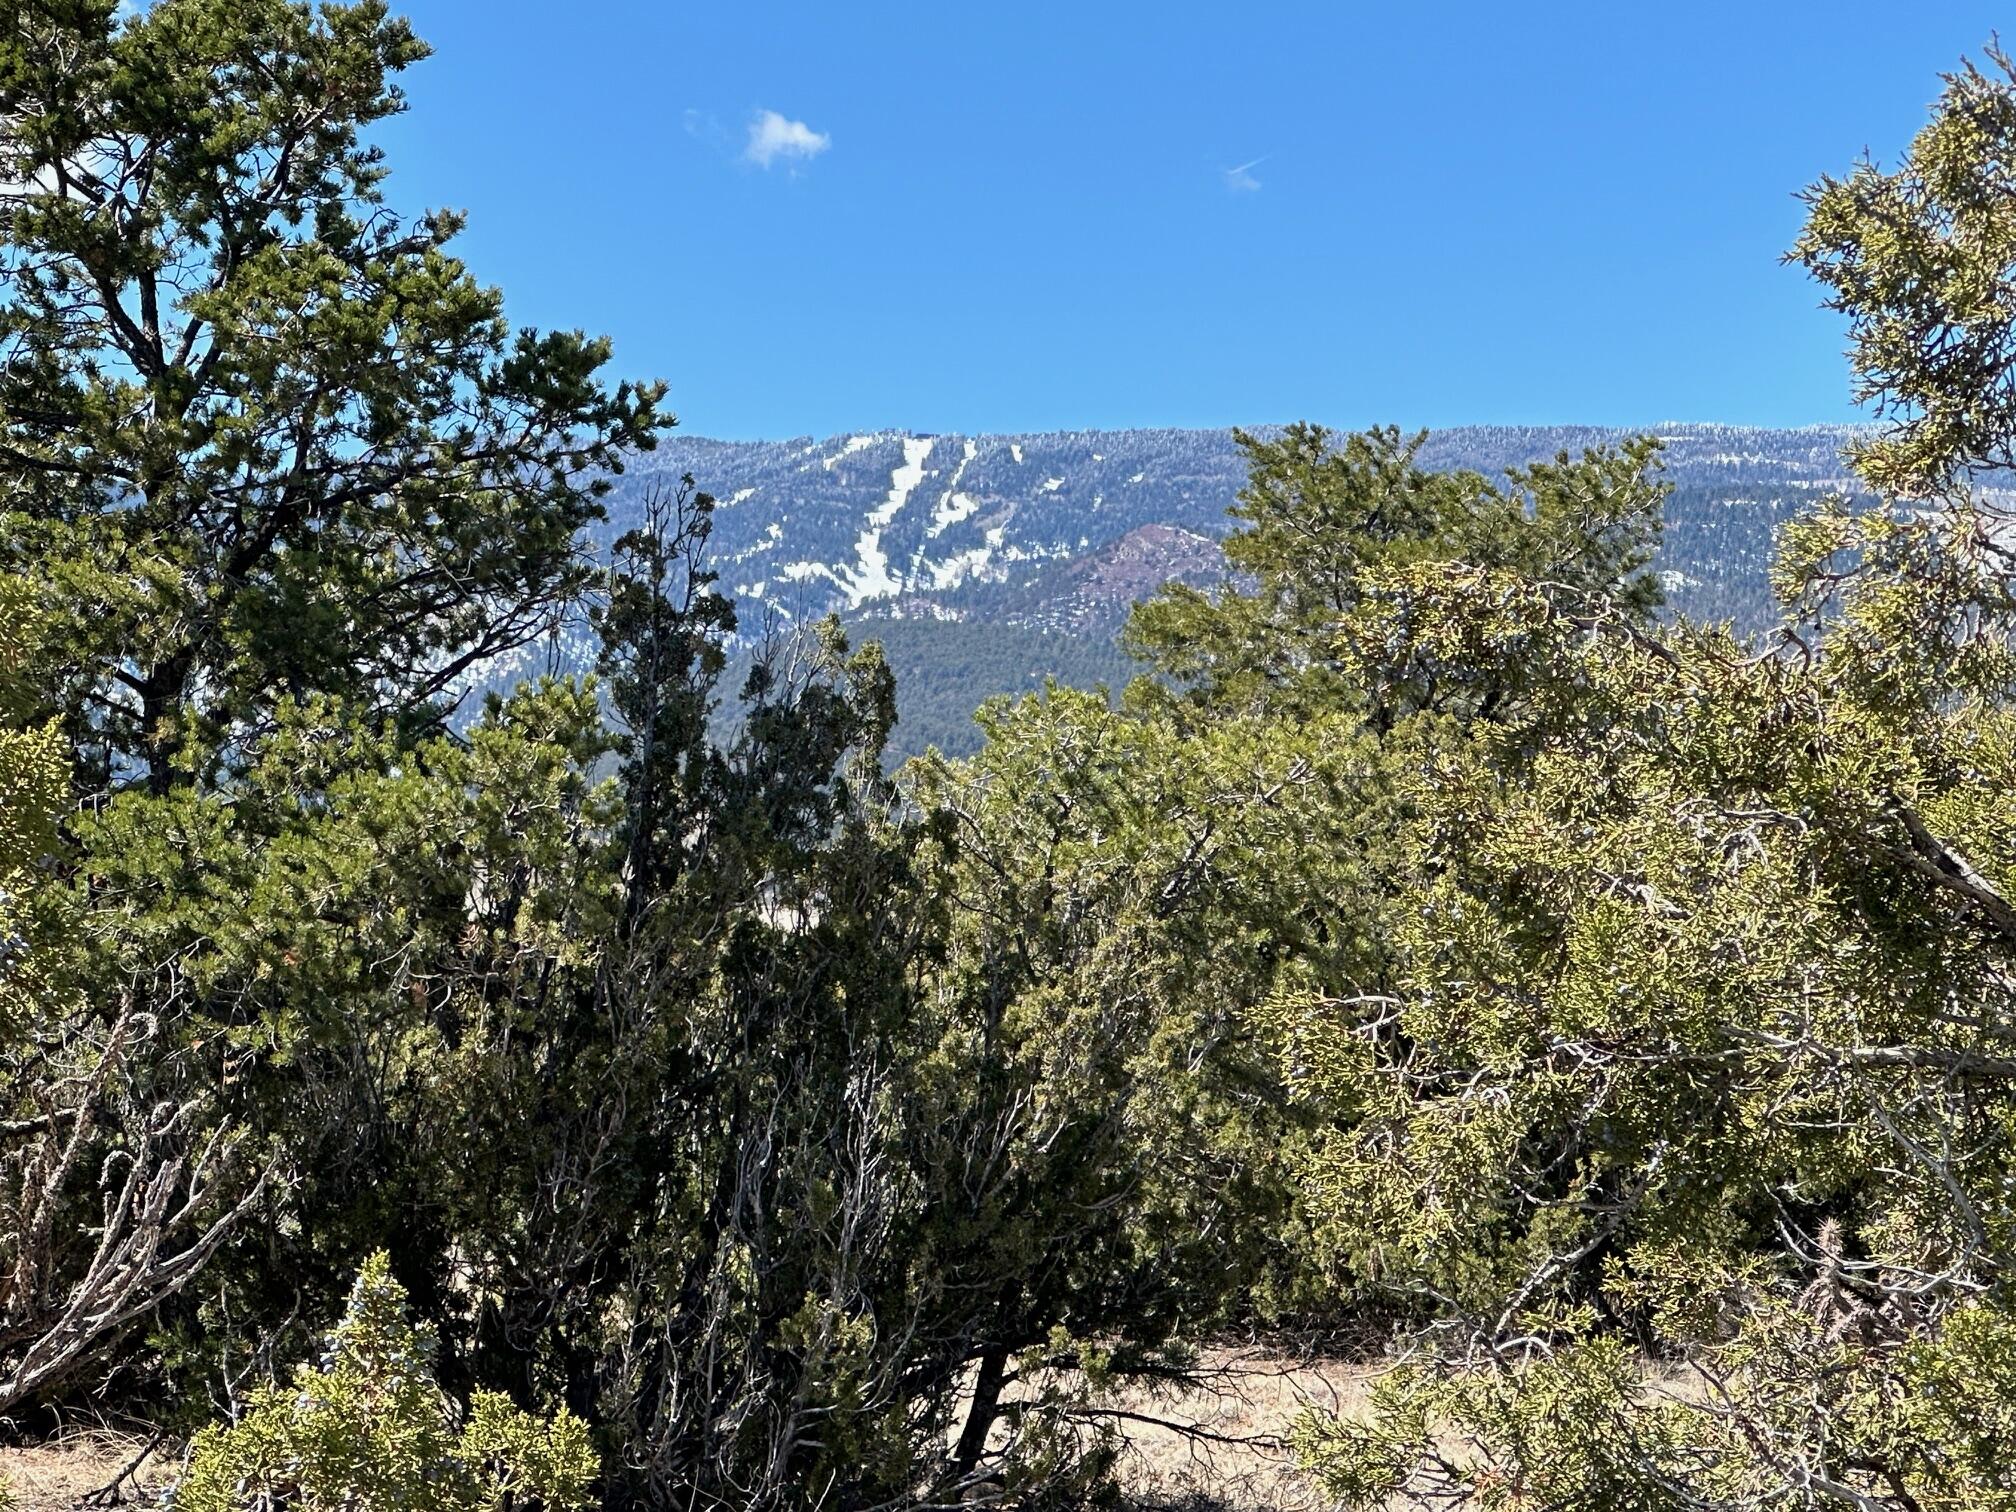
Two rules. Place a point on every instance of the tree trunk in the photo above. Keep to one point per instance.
(986, 1407)
(162, 699)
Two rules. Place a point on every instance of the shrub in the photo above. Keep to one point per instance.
(371, 1429)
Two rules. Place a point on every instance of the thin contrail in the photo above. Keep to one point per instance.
(1242, 176)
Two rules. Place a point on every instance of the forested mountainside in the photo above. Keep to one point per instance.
(918, 526)
(1043, 542)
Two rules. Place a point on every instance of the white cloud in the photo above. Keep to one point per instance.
(772, 136)
(1240, 180)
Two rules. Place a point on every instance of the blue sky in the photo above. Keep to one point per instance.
(987, 217)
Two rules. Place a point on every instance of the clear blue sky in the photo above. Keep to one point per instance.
(1027, 216)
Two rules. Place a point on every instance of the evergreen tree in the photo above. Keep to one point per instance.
(277, 473)
(263, 438)
(1698, 1041)
(1139, 888)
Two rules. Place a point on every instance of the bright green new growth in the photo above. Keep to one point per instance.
(370, 1429)
(31, 790)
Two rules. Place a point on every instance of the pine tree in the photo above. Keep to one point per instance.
(262, 437)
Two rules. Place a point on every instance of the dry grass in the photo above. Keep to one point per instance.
(1225, 1448)
(1226, 1445)
(68, 1472)
(1221, 1445)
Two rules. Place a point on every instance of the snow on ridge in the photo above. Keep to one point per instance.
(871, 578)
(853, 444)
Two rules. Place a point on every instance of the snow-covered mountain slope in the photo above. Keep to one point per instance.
(893, 525)
(987, 562)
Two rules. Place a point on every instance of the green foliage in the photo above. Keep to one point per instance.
(1171, 871)
(97, 1229)
(1323, 521)
(369, 1427)
(1600, 995)
(1121, 893)
(277, 471)
(263, 438)
(1695, 1035)
(344, 932)
(1675, 1048)
(1919, 261)
(644, 1080)
(1616, 1015)
(32, 787)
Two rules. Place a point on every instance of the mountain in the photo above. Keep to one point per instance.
(986, 562)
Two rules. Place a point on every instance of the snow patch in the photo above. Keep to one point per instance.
(773, 533)
(741, 495)
(1015, 450)
(854, 444)
(1137, 477)
(1051, 485)
(956, 507)
(953, 571)
(871, 577)
(953, 506)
